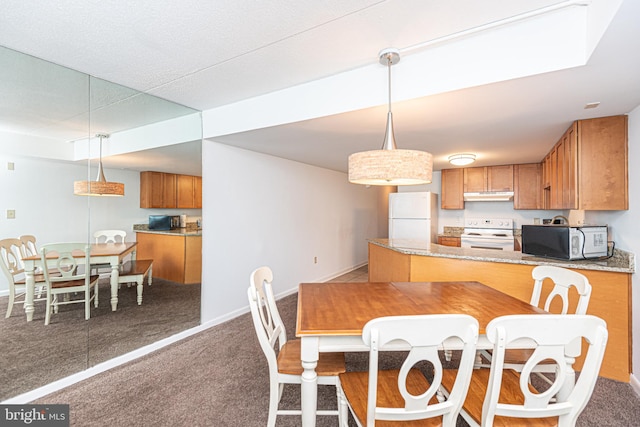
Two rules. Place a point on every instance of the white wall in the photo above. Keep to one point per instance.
(41, 193)
(263, 210)
(625, 231)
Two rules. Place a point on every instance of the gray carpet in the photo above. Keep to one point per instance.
(219, 378)
(33, 354)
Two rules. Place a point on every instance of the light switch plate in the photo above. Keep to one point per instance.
(11, 214)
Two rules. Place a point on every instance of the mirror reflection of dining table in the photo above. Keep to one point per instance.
(101, 253)
(331, 316)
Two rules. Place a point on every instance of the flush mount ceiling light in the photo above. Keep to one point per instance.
(462, 159)
(99, 187)
(389, 165)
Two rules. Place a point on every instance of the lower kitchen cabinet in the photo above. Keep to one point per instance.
(177, 258)
(449, 241)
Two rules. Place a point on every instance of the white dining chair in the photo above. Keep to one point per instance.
(110, 236)
(406, 395)
(12, 267)
(502, 396)
(72, 280)
(285, 365)
(107, 236)
(557, 301)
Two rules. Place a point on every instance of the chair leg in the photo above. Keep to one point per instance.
(95, 290)
(12, 296)
(343, 409)
(47, 315)
(149, 275)
(275, 389)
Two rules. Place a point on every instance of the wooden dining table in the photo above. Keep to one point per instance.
(331, 316)
(101, 253)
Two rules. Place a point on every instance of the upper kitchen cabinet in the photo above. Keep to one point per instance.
(189, 192)
(167, 190)
(527, 186)
(490, 178)
(452, 189)
(587, 168)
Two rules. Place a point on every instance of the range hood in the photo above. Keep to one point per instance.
(489, 196)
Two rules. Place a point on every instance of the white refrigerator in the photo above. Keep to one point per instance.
(413, 215)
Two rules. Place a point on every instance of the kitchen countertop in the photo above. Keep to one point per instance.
(189, 231)
(621, 262)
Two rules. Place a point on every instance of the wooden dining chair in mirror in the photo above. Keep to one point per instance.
(107, 236)
(77, 283)
(11, 263)
(411, 394)
(505, 397)
(29, 248)
(285, 366)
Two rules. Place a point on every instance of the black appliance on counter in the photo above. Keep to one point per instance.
(565, 242)
(159, 222)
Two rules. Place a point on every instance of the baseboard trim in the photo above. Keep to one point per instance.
(635, 384)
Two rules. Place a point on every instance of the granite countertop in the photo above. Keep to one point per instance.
(188, 231)
(621, 262)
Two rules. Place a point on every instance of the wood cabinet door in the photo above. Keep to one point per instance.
(603, 163)
(475, 180)
(449, 241)
(185, 192)
(452, 189)
(500, 178)
(198, 192)
(527, 186)
(169, 190)
(151, 190)
(553, 169)
(570, 168)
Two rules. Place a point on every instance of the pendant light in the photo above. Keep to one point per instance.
(99, 187)
(390, 165)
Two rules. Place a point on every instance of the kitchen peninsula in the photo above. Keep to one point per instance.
(176, 254)
(510, 272)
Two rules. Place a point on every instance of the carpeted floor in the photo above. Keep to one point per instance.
(219, 378)
(33, 354)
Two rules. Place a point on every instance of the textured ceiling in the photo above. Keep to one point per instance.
(208, 55)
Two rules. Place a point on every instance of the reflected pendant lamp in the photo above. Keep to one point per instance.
(99, 187)
(390, 165)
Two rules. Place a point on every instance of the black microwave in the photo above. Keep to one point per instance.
(159, 222)
(565, 242)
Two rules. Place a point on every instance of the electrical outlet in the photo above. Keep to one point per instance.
(11, 214)
(10, 166)
(315, 259)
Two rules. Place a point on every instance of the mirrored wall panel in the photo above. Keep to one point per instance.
(59, 127)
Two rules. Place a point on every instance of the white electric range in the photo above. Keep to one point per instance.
(488, 233)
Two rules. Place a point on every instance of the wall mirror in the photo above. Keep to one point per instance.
(49, 118)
